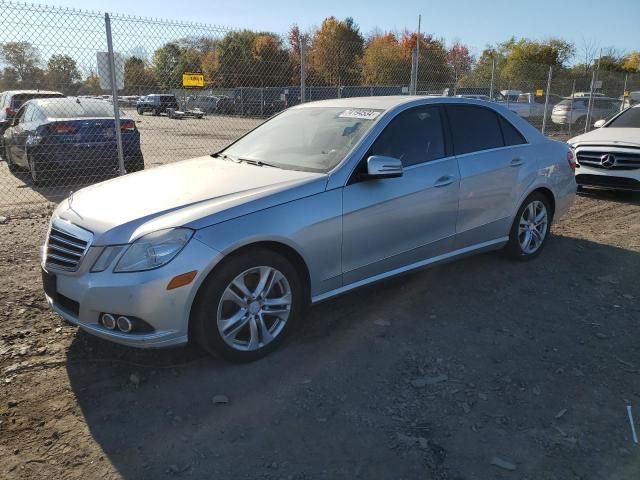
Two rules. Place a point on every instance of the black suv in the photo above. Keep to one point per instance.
(156, 103)
(12, 100)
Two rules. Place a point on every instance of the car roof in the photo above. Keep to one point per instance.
(31, 92)
(392, 101)
(63, 100)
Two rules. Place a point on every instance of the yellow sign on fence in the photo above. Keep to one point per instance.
(191, 80)
(539, 92)
(626, 93)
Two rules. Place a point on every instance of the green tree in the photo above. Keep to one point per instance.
(172, 60)
(138, 77)
(62, 72)
(336, 49)
(632, 62)
(91, 85)
(24, 59)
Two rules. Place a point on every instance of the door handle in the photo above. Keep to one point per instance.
(444, 181)
(516, 162)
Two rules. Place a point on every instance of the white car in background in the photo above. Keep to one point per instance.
(609, 156)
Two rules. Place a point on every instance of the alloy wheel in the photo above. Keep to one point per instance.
(533, 226)
(254, 308)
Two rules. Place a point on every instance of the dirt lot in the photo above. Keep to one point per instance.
(479, 369)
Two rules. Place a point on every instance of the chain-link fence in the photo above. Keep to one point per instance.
(185, 90)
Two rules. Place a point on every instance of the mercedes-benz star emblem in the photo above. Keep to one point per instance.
(607, 160)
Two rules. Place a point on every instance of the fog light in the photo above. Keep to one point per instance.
(108, 321)
(124, 324)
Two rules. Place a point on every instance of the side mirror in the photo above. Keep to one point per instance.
(600, 123)
(379, 166)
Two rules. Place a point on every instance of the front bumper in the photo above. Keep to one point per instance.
(142, 295)
(608, 179)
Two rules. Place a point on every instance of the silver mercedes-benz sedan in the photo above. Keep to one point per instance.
(228, 249)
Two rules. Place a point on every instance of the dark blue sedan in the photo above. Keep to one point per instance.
(57, 139)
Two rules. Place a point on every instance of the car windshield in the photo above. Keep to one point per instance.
(630, 118)
(312, 139)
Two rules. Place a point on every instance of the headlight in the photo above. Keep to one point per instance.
(107, 257)
(154, 250)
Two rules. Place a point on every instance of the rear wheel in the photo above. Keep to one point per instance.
(136, 164)
(13, 168)
(38, 175)
(248, 305)
(140, 111)
(530, 228)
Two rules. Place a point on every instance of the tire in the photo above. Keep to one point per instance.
(578, 126)
(140, 111)
(38, 177)
(136, 165)
(13, 168)
(156, 112)
(526, 247)
(219, 300)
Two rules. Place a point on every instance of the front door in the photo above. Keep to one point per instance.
(394, 222)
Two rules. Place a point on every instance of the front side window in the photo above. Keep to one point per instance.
(630, 118)
(311, 139)
(414, 136)
(474, 128)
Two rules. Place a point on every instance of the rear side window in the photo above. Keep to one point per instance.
(474, 128)
(414, 136)
(509, 132)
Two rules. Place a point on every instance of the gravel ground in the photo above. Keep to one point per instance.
(483, 368)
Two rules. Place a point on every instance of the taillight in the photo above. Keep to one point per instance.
(127, 126)
(63, 128)
(571, 160)
(9, 111)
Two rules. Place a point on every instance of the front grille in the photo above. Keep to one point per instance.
(66, 246)
(618, 159)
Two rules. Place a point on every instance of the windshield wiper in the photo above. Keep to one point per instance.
(258, 163)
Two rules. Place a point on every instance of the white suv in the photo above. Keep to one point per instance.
(609, 156)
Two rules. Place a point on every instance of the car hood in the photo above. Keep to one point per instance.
(608, 136)
(194, 193)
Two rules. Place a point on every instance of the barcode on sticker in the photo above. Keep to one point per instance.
(362, 114)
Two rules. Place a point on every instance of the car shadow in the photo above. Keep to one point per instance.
(153, 412)
(618, 196)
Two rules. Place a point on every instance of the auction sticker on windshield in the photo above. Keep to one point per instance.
(361, 114)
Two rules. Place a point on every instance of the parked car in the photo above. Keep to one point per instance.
(609, 156)
(473, 91)
(573, 111)
(56, 137)
(511, 95)
(530, 106)
(156, 104)
(228, 249)
(226, 106)
(205, 103)
(12, 100)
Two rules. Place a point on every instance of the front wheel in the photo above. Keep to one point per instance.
(248, 305)
(530, 228)
(140, 111)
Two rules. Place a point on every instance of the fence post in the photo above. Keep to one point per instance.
(303, 86)
(573, 93)
(546, 100)
(493, 72)
(588, 120)
(114, 94)
(624, 91)
(414, 73)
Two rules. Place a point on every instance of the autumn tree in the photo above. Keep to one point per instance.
(90, 86)
(459, 60)
(172, 60)
(383, 62)
(252, 59)
(336, 49)
(433, 67)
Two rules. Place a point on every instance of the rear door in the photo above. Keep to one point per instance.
(393, 222)
(494, 161)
